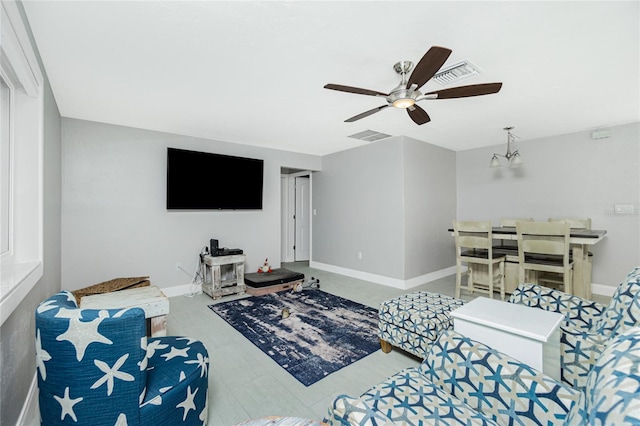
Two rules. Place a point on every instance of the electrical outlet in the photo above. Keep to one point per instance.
(178, 266)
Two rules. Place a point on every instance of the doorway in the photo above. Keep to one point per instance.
(295, 216)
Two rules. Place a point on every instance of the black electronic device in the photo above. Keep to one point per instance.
(228, 252)
(213, 247)
(236, 181)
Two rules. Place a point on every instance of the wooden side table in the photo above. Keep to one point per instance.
(214, 285)
(154, 303)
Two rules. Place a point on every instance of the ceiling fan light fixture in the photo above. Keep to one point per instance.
(404, 103)
(494, 162)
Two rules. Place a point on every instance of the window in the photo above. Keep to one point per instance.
(6, 113)
(21, 161)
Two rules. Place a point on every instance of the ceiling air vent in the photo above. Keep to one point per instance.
(370, 135)
(456, 72)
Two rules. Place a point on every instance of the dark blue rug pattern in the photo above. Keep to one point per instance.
(323, 333)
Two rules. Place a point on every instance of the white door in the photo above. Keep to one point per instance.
(303, 219)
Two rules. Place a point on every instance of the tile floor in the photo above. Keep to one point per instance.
(244, 383)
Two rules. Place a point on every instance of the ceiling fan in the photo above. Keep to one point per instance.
(407, 93)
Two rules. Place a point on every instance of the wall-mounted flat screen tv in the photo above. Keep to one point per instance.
(207, 181)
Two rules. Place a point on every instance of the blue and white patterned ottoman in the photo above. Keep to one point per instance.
(414, 320)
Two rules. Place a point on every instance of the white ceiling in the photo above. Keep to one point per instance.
(253, 72)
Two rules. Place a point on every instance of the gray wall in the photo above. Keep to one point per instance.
(568, 175)
(114, 217)
(17, 350)
(392, 200)
(358, 203)
(429, 207)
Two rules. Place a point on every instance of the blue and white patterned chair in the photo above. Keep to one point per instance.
(461, 382)
(589, 325)
(97, 367)
(612, 393)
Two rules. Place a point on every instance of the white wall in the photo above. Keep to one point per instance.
(114, 217)
(568, 175)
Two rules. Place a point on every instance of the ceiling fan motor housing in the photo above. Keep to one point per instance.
(402, 97)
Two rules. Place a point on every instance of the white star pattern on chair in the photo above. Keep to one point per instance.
(41, 357)
(155, 346)
(175, 352)
(144, 361)
(188, 404)
(122, 420)
(81, 334)
(204, 414)
(111, 373)
(67, 405)
(46, 306)
(202, 363)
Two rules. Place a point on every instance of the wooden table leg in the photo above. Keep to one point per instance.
(581, 287)
(159, 326)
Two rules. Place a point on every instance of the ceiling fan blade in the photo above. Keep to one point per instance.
(428, 66)
(365, 114)
(467, 91)
(356, 90)
(418, 115)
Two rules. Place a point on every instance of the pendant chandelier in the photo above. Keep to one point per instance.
(514, 158)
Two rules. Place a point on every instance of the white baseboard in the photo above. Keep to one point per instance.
(182, 289)
(383, 280)
(604, 290)
(30, 415)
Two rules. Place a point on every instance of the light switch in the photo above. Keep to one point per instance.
(623, 209)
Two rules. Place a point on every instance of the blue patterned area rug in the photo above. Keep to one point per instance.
(322, 334)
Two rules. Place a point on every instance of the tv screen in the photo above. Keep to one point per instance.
(207, 181)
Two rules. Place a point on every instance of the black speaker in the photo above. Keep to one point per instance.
(213, 247)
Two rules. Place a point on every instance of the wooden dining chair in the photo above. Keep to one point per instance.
(574, 223)
(509, 247)
(543, 247)
(485, 269)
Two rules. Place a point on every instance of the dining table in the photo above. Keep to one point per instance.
(580, 240)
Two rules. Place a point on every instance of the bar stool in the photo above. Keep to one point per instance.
(574, 223)
(544, 247)
(485, 268)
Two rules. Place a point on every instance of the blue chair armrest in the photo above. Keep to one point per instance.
(579, 312)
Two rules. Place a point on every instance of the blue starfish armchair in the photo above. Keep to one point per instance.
(97, 367)
(589, 326)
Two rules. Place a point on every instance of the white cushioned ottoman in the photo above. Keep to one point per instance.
(413, 320)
